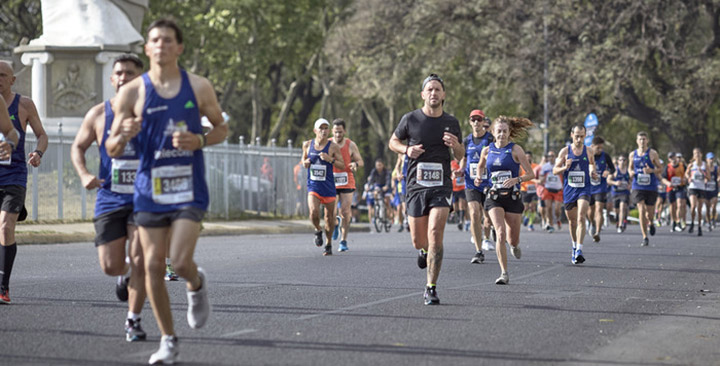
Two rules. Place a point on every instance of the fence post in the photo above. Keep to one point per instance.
(60, 171)
(36, 189)
(226, 184)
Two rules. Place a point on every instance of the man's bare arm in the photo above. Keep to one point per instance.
(84, 138)
(38, 130)
(127, 121)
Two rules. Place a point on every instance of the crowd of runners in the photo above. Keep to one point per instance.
(152, 195)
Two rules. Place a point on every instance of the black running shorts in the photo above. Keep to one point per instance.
(13, 198)
(458, 195)
(571, 205)
(421, 201)
(474, 195)
(598, 197)
(113, 225)
(620, 198)
(529, 197)
(700, 193)
(165, 219)
(506, 202)
(648, 197)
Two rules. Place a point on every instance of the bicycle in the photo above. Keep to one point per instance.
(380, 219)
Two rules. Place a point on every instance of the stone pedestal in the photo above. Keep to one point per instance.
(68, 81)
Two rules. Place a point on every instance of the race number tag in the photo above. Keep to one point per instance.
(473, 170)
(460, 181)
(661, 188)
(429, 174)
(553, 182)
(698, 177)
(623, 186)
(643, 179)
(531, 189)
(318, 172)
(341, 179)
(172, 184)
(576, 179)
(711, 185)
(499, 177)
(123, 175)
(675, 181)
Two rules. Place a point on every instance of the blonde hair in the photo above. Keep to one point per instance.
(517, 125)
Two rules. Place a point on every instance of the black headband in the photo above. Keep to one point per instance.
(430, 78)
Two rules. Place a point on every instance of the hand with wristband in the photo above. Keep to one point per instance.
(35, 158)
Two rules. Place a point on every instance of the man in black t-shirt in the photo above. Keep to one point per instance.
(431, 134)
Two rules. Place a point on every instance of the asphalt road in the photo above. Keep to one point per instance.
(277, 301)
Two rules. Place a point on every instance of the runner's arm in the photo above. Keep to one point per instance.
(126, 123)
(208, 106)
(355, 156)
(7, 129)
(38, 130)
(84, 138)
(559, 167)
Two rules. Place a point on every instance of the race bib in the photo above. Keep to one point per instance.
(429, 174)
(473, 170)
(531, 189)
(576, 179)
(623, 186)
(460, 181)
(318, 172)
(643, 179)
(711, 185)
(341, 179)
(498, 178)
(553, 182)
(595, 182)
(123, 175)
(172, 184)
(675, 181)
(661, 188)
(698, 177)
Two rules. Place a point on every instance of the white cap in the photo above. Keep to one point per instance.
(320, 122)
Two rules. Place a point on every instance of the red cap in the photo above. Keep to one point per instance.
(477, 112)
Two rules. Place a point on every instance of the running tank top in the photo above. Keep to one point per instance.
(501, 166)
(118, 173)
(403, 182)
(458, 182)
(344, 179)
(599, 185)
(577, 178)
(320, 173)
(643, 181)
(472, 158)
(711, 185)
(624, 179)
(697, 176)
(14, 170)
(168, 178)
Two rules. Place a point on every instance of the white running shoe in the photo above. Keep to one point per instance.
(487, 245)
(199, 308)
(504, 279)
(515, 251)
(167, 353)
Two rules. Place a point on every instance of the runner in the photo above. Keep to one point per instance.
(17, 113)
(401, 168)
(577, 165)
(163, 110)
(620, 181)
(552, 193)
(661, 201)
(711, 188)
(429, 132)
(673, 177)
(345, 180)
(503, 159)
(113, 219)
(598, 187)
(378, 182)
(459, 201)
(475, 194)
(644, 168)
(697, 174)
(528, 189)
(320, 157)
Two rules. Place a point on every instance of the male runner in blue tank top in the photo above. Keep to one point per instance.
(163, 109)
(599, 187)
(577, 164)
(113, 221)
(319, 157)
(430, 134)
(13, 169)
(644, 168)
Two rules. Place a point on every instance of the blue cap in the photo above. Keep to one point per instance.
(710, 156)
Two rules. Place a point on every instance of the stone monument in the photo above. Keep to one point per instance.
(72, 60)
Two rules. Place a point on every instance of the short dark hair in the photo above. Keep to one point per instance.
(642, 133)
(597, 140)
(129, 57)
(339, 122)
(379, 160)
(578, 126)
(167, 23)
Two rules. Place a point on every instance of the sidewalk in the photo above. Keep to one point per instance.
(85, 231)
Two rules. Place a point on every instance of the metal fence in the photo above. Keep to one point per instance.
(242, 179)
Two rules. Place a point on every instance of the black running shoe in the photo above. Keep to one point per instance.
(691, 228)
(328, 250)
(401, 228)
(318, 238)
(460, 226)
(479, 257)
(422, 259)
(596, 237)
(121, 288)
(133, 331)
(645, 242)
(699, 230)
(652, 230)
(431, 297)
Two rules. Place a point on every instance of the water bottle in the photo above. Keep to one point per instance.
(9, 159)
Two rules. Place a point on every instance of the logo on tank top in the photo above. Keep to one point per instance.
(189, 104)
(476, 156)
(497, 162)
(12, 118)
(157, 109)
